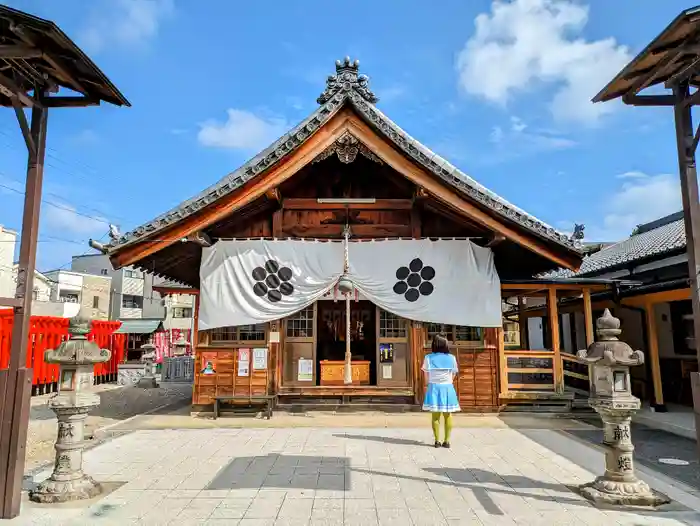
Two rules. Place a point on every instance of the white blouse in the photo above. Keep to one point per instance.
(440, 376)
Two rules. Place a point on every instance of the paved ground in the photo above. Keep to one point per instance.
(325, 476)
(117, 405)
(651, 446)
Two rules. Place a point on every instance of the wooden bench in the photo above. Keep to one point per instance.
(266, 400)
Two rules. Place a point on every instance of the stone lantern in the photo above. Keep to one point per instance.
(77, 358)
(611, 397)
(180, 346)
(148, 380)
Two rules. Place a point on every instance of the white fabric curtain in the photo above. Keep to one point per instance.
(451, 281)
(256, 281)
(445, 281)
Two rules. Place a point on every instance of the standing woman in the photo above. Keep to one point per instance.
(440, 398)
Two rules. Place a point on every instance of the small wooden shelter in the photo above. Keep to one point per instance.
(349, 164)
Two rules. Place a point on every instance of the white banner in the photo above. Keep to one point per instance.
(256, 281)
(451, 281)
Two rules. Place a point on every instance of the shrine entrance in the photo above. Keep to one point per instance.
(330, 344)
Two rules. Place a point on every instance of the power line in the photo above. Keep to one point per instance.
(59, 206)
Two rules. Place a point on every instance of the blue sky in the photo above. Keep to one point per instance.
(499, 88)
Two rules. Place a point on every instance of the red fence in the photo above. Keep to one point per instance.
(46, 332)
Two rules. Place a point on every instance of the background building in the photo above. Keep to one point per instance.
(8, 242)
(91, 293)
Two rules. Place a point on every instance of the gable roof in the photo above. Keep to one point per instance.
(654, 239)
(347, 87)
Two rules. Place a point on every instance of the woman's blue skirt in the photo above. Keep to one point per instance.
(441, 398)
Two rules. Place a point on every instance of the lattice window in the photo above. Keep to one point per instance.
(391, 325)
(301, 324)
(240, 333)
(468, 334)
(437, 328)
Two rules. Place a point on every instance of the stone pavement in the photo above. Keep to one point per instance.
(118, 405)
(352, 476)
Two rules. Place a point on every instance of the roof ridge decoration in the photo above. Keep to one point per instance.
(347, 79)
(347, 87)
(346, 147)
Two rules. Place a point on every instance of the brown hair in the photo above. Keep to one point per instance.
(440, 343)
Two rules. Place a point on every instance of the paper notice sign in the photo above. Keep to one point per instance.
(306, 370)
(260, 359)
(386, 371)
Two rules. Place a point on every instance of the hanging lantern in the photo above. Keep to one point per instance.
(345, 286)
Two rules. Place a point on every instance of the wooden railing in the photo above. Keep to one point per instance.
(529, 370)
(576, 377)
(47, 332)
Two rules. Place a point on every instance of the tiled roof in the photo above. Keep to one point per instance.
(346, 87)
(654, 239)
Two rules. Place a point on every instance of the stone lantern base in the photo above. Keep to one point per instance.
(54, 490)
(617, 493)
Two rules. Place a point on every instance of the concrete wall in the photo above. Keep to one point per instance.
(8, 243)
(96, 289)
(664, 330)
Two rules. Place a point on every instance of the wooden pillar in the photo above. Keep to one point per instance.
(502, 363)
(588, 316)
(553, 311)
(275, 350)
(417, 343)
(522, 324)
(654, 354)
(195, 342)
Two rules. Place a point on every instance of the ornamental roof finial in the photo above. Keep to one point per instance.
(347, 79)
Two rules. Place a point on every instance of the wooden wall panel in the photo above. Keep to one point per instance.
(225, 380)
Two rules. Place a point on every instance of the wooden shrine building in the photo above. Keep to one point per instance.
(349, 164)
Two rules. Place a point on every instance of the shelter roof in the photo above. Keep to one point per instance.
(34, 52)
(347, 88)
(140, 326)
(651, 240)
(674, 52)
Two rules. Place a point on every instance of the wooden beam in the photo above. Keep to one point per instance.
(416, 224)
(553, 312)
(273, 194)
(364, 231)
(10, 302)
(199, 238)
(70, 102)
(421, 194)
(588, 316)
(277, 217)
(378, 204)
(658, 297)
(10, 89)
(558, 286)
(19, 52)
(649, 100)
(55, 62)
(647, 80)
(24, 126)
(650, 319)
(497, 239)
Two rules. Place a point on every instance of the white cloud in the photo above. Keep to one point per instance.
(519, 140)
(124, 22)
(523, 43)
(633, 174)
(642, 198)
(243, 130)
(65, 219)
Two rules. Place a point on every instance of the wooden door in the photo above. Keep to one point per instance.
(300, 345)
(393, 350)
